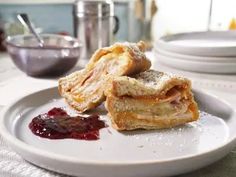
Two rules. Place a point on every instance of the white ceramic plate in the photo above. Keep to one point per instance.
(130, 154)
(218, 43)
(195, 58)
(196, 66)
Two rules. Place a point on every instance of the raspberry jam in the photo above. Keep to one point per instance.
(57, 124)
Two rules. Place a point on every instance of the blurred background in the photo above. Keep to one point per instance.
(146, 20)
(139, 19)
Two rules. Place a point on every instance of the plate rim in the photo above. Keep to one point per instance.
(191, 65)
(14, 142)
(164, 43)
(187, 57)
(195, 61)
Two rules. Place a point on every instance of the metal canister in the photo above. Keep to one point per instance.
(94, 24)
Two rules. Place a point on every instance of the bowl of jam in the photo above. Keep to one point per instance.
(57, 56)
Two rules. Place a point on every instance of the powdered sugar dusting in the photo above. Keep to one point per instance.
(133, 47)
(183, 139)
(155, 79)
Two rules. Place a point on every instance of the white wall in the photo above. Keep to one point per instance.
(176, 16)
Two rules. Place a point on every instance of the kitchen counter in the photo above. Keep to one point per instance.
(14, 83)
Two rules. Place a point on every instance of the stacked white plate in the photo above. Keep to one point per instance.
(209, 52)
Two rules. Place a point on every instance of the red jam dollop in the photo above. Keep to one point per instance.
(57, 124)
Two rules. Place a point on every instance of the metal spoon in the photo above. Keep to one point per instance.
(23, 18)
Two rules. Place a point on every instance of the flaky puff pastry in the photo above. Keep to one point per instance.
(150, 100)
(84, 89)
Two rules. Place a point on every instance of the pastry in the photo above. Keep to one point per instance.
(84, 89)
(150, 100)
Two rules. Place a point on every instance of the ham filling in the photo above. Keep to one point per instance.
(173, 103)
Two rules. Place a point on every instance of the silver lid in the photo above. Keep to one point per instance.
(94, 8)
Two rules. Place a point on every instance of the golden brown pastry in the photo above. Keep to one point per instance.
(84, 89)
(150, 100)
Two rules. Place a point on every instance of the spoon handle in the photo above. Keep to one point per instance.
(23, 18)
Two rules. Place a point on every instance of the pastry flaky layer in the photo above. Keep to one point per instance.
(150, 100)
(84, 89)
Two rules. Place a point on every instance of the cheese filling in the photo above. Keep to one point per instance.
(174, 104)
(95, 79)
